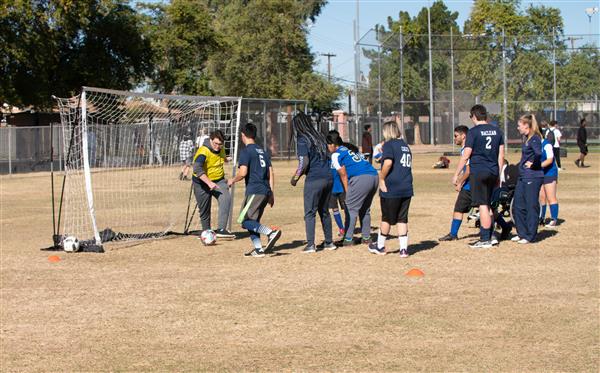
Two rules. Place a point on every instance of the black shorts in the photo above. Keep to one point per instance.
(463, 201)
(394, 210)
(550, 179)
(482, 186)
(335, 198)
(583, 149)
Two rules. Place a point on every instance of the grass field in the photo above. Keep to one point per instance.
(174, 305)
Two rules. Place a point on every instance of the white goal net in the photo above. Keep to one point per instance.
(123, 161)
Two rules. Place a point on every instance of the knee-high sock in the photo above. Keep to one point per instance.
(455, 227)
(543, 212)
(338, 219)
(554, 211)
(256, 227)
(381, 240)
(403, 241)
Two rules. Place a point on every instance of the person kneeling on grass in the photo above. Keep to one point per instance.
(359, 180)
(395, 189)
(209, 181)
(256, 169)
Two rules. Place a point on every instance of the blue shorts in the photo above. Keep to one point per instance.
(550, 179)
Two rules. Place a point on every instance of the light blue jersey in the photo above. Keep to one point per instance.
(355, 163)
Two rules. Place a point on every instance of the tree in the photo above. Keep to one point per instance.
(56, 46)
(265, 52)
(182, 38)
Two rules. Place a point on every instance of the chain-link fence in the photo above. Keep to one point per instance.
(427, 84)
(29, 149)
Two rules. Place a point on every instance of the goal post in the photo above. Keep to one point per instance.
(125, 152)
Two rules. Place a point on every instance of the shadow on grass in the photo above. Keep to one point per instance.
(545, 234)
(288, 246)
(421, 246)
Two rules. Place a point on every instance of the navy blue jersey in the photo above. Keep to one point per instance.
(466, 185)
(399, 180)
(318, 168)
(258, 163)
(485, 141)
(531, 151)
(355, 163)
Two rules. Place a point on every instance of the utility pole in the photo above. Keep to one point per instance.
(328, 55)
(572, 40)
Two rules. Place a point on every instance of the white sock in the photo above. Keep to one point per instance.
(403, 242)
(381, 240)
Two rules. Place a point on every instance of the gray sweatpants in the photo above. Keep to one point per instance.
(316, 200)
(361, 190)
(204, 199)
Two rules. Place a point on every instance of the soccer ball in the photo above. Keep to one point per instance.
(71, 244)
(208, 237)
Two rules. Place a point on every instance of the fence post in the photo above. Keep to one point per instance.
(9, 150)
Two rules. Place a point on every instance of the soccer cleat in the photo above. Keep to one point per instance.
(481, 245)
(224, 233)
(522, 241)
(373, 249)
(341, 232)
(403, 253)
(273, 237)
(551, 224)
(309, 249)
(448, 237)
(515, 238)
(256, 253)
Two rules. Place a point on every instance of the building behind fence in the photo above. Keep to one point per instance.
(29, 149)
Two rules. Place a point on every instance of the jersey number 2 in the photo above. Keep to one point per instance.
(488, 142)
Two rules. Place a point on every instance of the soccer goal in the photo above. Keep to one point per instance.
(122, 162)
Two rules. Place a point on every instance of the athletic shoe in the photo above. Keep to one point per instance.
(515, 238)
(551, 224)
(448, 237)
(366, 241)
(373, 249)
(522, 241)
(577, 163)
(541, 222)
(481, 245)
(341, 232)
(329, 246)
(256, 253)
(224, 233)
(403, 253)
(505, 235)
(273, 237)
(309, 249)
(494, 240)
(346, 242)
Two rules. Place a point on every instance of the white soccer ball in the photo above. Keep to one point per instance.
(208, 237)
(71, 244)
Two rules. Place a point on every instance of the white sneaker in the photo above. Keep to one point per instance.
(515, 239)
(522, 241)
(551, 224)
(494, 240)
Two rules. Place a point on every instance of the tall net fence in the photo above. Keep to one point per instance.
(122, 156)
(546, 74)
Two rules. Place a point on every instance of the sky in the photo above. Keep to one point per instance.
(332, 32)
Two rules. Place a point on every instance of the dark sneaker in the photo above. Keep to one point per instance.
(347, 242)
(341, 232)
(256, 253)
(448, 237)
(505, 235)
(403, 253)
(309, 249)
(224, 233)
(494, 239)
(373, 249)
(481, 245)
(366, 240)
(273, 237)
(541, 222)
(329, 246)
(577, 163)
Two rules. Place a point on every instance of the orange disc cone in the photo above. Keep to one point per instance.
(415, 272)
(54, 259)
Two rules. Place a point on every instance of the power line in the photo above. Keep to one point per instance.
(328, 55)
